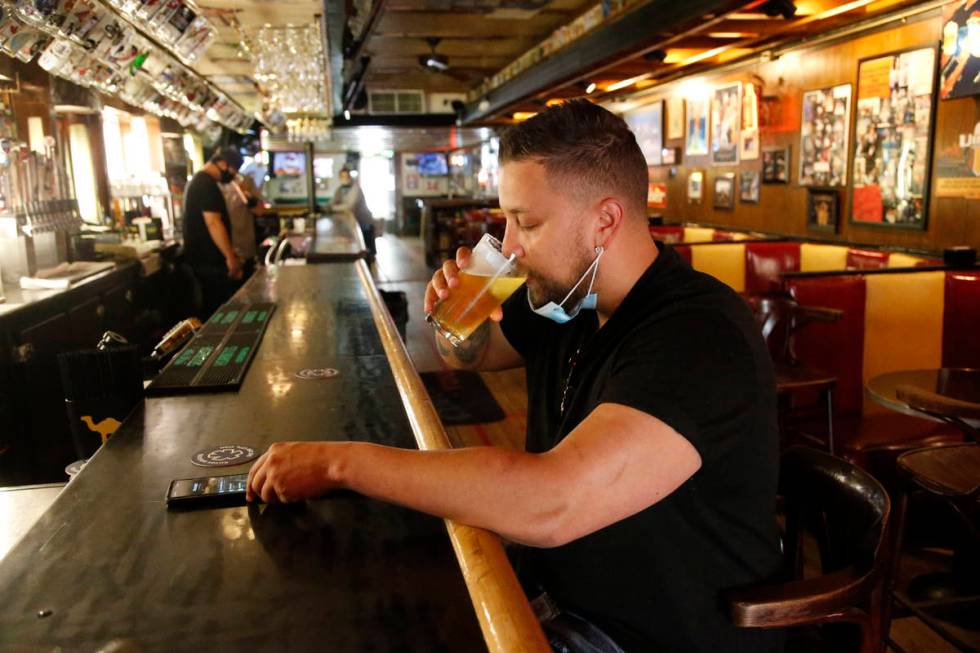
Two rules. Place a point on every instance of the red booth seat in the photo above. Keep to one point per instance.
(755, 268)
(694, 234)
(891, 322)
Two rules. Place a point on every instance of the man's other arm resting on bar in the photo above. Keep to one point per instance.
(617, 462)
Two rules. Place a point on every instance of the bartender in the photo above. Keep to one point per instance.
(244, 203)
(350, 197)
(208, 246)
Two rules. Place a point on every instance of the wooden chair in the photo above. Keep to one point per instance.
(851, 510)
(780, 318)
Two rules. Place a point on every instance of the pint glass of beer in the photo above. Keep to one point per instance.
(483, 286)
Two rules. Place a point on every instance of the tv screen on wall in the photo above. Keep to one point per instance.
(432, 164)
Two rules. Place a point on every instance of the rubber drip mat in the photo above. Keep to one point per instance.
(218, 357)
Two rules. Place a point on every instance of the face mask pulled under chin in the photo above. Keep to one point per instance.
(556, 313)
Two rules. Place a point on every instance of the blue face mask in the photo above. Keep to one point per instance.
(556, 313)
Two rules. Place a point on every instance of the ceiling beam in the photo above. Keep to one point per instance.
(417, 24)
(628, 33)
(335, 18)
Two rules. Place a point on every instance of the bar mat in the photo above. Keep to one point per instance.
(218, 357)
(461, 397)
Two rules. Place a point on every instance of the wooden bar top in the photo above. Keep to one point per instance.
(109, 563)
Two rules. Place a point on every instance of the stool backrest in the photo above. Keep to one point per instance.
(846, 506)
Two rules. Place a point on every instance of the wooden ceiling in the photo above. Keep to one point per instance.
(740, 32)
(479, 37)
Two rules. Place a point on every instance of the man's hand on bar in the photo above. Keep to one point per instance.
(293, 471)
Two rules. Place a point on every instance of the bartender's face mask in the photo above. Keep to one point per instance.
(227, 176)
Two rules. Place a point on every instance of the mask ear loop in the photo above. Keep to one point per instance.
(595, 268)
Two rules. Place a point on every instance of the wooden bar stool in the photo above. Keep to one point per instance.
(780, 318)
(851, 512)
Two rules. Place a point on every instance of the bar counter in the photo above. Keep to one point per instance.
(109, 562)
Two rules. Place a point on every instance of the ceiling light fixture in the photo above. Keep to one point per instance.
(627, 82)
(843, 9)
(590, 88)
(436, 62)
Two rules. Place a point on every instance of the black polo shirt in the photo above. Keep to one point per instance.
(203, 195)
(684, 348)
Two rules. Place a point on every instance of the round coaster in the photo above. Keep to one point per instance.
(224, 455)
(75, 467)
(317, 373)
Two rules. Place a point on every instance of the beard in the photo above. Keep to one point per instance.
(543, 289)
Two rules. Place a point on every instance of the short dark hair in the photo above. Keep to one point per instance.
(229, 155)
(581, 141)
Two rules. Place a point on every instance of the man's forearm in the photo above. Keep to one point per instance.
(220, 237)
(512, 493)
(470, 353)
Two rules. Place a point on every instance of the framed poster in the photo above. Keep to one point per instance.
(726, 123)
(958, 61)
(775, 165)
(822, 208)
(893, 136)
(657, 195)
(724, 196)
(957, 164)
(696, 141)
(749, 148)
(647, 124)
(695, 186)
(748, 187)
(823, 136)
(671, 156)
(675, 117)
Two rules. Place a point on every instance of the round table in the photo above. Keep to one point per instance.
(955, 383)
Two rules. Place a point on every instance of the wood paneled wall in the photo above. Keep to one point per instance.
(782, 208)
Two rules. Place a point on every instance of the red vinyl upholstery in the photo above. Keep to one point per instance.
(765, 262)
(866, 259)
(668, 234)
(867, 434)
(836, 347)
(961, 319)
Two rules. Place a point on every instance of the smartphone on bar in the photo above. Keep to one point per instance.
(208, 492)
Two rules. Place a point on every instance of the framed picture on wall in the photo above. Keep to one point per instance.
(892, 139)
(695, 186)
(822, 209)
(671, 156)
(775, 165)
(726, 123)
(724, 197)
(748, 187)
(696, 139)
(647, 124)
(958, 58)
(823, 136)
(675, 117)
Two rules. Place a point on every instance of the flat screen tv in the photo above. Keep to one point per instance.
(432, 164)
(288, 164)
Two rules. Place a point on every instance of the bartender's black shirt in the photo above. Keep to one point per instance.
(203, 195)
(684, 348)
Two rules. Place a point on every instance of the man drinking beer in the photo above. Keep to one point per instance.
(648, 482)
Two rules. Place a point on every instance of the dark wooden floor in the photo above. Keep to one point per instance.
(401, 266)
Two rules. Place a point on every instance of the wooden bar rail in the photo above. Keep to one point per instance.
(505, 616)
